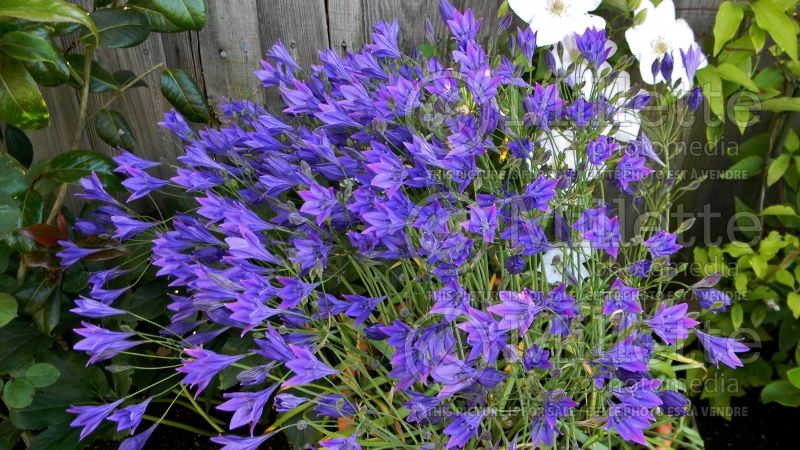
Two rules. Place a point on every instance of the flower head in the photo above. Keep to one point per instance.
(203, 366)
(721, 350)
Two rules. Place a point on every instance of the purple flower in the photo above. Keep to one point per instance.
(713, 299)
(692, 59)
(581, 112)
(642, 393)
(482, 85)
(71, 253)
(127, 161)
(361, 307)
(671, 324)
(543, 107)
(482, 221)
(287, 402)
(622, 298)
(662, 244)
(517, 310)
(673, 403)
(318, 201)
(629, 421)
(203, 366)
(349, 443)
(94, 309)
(334, 405)
(640, 268)
(694, 99)
(306, 367)
(249, 246)
(721, 350)
(667, 63)
(174, 122)
(544, 426)
(515, 264)
(628, 355)
(126, 227)
(129, 417)
(241, 443)
(451, 301)
(384, 38)
(463, 26)
(600, 149)
(463, 428)
(91, 416)
(600, 231)
(592, 45)
(520, 148)
(102, 344)
(631, 169)
(92, 189)
(247, 407)
(526, 39)
(536, 358)
(539, 193)
(137, 442)
(139, 183)
(293, 292)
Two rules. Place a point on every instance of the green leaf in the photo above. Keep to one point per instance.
(12, 176)
(18, 393)
(10, 215)
(785, 278)
(777, 169)
(187, 14)
(64, 437)
(112, 128)
(119, 27)
(8, 308)
(55, 11)
(18, 342)
(778, 210)
(72, 166)
(737, 249)
(729, 16)
(27, 46)
(49, 74)
(758, 37)
(156, 21)
(728, 71)
(711, 83)
(793, 301)
(758, 315)
(42, 375)
(781, 392)
(781, 104)
(737, 316)
(181, 90)
(779, 26)
(21, 102)
(794, 376)
(100, 79)
(759, 265)
(745, 168)
(18, 145)
(125, 77)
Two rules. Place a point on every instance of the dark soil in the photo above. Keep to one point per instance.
(754, 426)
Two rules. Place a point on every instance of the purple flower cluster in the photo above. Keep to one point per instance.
(351, 242)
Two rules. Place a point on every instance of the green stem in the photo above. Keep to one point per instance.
(200, 410)
(179, 425)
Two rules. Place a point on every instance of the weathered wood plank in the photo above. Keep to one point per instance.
(230, 48)
(302, 26)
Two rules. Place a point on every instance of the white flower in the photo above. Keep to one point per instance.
(552, 20)
(562, 257)
(626, 118)
(661, 34)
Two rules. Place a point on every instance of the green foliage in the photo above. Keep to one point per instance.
(39, 377)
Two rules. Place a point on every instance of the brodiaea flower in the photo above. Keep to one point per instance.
(318, 201)
(629, 421)
(306, 367)
(463, 428)
(482, 221)
(518, 310)
(102, 344)
(349, 443)
(713, 299)
(90, 416)
(662, 244)
(202, 367)
(241, 443)
(129, 417)
(247, 407)
(631, 169)
(671, 324)
(603, 234)
(721, 350)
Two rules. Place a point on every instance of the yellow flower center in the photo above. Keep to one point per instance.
(558, 7)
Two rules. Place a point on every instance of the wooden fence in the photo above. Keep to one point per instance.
(224, 54)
